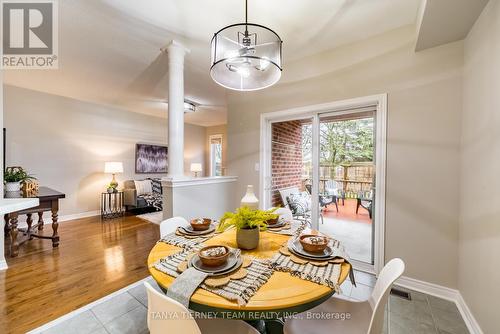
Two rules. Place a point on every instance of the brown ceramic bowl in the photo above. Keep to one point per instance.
(309, 246)
(197, 226)
(273, 221)
(213, 261)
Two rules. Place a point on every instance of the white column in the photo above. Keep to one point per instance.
(176, 53)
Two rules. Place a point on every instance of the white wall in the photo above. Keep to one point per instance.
(424, 109)
(65, 143)
(479, 246)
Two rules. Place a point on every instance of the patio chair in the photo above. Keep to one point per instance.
(285, 195)
(332, 188)
(366, 202)
(324, 200)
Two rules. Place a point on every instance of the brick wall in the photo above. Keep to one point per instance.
(286, 159)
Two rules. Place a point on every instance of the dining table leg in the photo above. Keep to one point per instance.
(14, 244)
(55, 223)
(271, 326)
(274, 326)
(6, 228)
(29, 221)
(40, 221)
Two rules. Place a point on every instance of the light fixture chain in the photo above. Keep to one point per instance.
(246, 18)
(246, 11)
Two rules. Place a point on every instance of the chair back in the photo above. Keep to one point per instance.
(331, 184)
(390, 273)
(284, 213)
(164, 312)
(170, 225)
(332, 188)
(287, 192)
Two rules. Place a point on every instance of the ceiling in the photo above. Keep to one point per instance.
(438, 27)
(109, 50)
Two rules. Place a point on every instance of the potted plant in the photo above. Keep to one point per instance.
(248, 222)
(14, 176)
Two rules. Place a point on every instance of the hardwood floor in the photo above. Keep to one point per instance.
(94, 258)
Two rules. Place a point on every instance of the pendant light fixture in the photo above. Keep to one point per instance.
(246, 56)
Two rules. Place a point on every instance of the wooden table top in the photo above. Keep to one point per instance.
(282, 291)
(43, 193)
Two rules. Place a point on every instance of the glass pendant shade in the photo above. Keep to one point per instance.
(246, 57)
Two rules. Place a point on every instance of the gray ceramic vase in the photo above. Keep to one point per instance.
(247, 238)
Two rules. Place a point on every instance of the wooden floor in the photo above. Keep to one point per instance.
(94, 258)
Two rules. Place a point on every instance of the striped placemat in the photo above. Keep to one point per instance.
(237, 290)
(321, 272)
(325, 275)
(183, 242)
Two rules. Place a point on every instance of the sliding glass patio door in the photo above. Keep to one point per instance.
(291, 163)
(345, 182)
(339, 167)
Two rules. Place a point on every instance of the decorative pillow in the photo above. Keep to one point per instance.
(143, 187)
(299, 203)
(156, 186)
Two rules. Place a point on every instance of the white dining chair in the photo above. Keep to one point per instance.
(365, 317)
(171, 224)
(166, 315)
(284, 213)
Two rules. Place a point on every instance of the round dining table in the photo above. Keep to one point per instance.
(282, 295)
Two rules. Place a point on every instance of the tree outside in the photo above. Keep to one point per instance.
(342, 142)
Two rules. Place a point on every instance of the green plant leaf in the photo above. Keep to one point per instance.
(246, 218)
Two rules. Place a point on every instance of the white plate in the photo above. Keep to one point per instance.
(297, 247)
(232, 264)
(280, 223)
(189, 230)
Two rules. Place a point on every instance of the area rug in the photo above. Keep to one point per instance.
(152, 217)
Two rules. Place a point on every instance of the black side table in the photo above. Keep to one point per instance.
(112, 205)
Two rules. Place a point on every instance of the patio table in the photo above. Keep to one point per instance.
(281, 295)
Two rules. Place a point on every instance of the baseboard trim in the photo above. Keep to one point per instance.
(79, 215)
(3, 265)
(466, 313)
(444, 293)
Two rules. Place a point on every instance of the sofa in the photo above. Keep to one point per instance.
(148, 198)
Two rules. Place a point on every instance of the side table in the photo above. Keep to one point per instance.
(112, 205)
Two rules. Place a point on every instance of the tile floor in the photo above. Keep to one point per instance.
(126, 313)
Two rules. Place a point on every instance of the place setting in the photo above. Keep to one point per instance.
(198, 231)
(314, 257)
(216, 268)
(280, 225)
(199, 227)
(277, 224)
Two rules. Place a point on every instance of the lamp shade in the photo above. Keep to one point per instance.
(113, 167)
(196, 167)
(246, 57)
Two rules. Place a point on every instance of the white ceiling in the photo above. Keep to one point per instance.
(446, 21)
(109, 50)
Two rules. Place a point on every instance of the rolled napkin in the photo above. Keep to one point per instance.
(185, 285)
